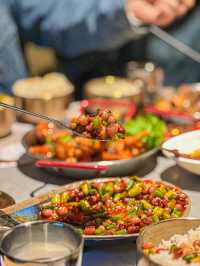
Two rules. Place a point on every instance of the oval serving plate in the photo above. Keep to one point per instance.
(115, 168)
(30, 213)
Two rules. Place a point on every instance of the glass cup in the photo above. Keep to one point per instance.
(149, 73)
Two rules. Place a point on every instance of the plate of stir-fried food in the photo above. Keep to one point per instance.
(78, 156)
(112, 207)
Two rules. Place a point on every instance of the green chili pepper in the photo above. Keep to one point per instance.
(101, 191)
(121, 232)
(117, 182)
(92, 190)
(176, 213)
(119, 196)
(100, 230)
(130, 183)
(96, 122)
(170, 194)
(155, 219)
(173, 247)
(135, 191)
(49, 141)
(135, 178)
(171, 204)
(159, 193)
(157, 211)
(55, 199)
(85, 188)
(64, 197)
(109, 188)
(188, 258)
(117, 136)
(131, 202)
(65, 138)
(117, 217)
(84, 204)
(166, 215)
(146, 205)
(104, 123)
(147, 252)
(110, 226)
(132, 213)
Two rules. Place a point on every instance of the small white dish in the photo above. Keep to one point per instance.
(185, 144)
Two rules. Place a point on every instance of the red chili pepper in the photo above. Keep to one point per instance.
(148, 245)
(89, 230)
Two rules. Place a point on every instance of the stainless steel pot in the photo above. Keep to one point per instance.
(89, 169)
(7, 117)
(49, 95)
(162, 231)
(42, 243)
(54, 107)
(3, 229)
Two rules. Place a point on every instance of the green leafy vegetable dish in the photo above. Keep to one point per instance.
(156, 127)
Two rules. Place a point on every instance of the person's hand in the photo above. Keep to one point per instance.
(158, 12)
(185, 6)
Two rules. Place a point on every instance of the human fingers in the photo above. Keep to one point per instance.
(173, 4)
(144, 10)
(189, 3)
(169, 14)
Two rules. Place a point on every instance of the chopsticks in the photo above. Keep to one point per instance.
(175, 43)
(171, 40)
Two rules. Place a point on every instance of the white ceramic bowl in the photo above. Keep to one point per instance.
(185, 143)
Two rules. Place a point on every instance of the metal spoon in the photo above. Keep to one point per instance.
(47, 118)
(176, 153)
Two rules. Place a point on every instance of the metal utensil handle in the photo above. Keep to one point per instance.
(178, 45)
(44, 117)
(17, 109)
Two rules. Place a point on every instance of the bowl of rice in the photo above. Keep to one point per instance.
(171, 242)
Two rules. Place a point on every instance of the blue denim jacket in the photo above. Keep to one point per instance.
(71, 27)
(12, 65)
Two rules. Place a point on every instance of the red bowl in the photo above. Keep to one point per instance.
(171, 116)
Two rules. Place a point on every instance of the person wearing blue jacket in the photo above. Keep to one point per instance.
(76, 28)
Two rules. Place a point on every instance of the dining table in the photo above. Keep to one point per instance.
(20, 178)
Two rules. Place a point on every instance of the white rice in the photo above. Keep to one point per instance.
(165, 258)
